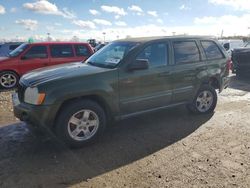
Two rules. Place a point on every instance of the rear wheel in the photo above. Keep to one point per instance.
(80, 122)
(8, 80)
(205, 100)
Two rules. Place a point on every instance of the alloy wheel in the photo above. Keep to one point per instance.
(8, 80)
(204, 101)
(83, 125)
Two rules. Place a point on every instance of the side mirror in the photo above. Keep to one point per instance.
(139, 64)
(226, 46)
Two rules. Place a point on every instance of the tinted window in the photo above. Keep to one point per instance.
(212, 51)
(186, 52)
(37, 52)
(13, 47)
(81, 50)
(156, 54)
(61, 51)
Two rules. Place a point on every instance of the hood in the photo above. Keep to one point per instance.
(70, 70)
(2, 59)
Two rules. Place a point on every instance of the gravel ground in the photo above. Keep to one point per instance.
(6, 110)
(165, 149)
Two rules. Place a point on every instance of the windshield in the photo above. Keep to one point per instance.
(19, 50)
(110, 55)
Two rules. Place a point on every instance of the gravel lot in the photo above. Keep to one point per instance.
(170, 148)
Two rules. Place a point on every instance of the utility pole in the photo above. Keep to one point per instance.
(104, 37)
(222, 32)
(48, 36)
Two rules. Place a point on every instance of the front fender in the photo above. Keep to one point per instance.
(104, 87)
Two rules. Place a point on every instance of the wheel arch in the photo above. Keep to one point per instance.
(10, 70)
(212, 81)
(98, 99)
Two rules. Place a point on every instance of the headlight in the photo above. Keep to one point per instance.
(32, 96)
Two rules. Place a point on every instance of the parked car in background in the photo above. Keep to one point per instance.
(6, 48)
(28, 57)
(247, 45)
(230, 45)
(127, 78)
(241, 61)
(100, 46)
(92, 42)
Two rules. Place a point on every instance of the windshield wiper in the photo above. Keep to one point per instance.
(91, 63)
(100, 65)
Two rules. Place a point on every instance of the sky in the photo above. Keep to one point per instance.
(113, 19)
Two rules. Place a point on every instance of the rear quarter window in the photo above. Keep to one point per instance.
(186, 52)
(58, 51)
(212, 50)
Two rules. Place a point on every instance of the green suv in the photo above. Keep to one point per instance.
(126, 78)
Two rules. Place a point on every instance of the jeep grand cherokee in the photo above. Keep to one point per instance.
(125, 78)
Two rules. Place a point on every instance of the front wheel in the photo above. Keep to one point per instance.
(80, 122)
(205, 100)
(8, 80)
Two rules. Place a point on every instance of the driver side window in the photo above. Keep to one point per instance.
(37, 52)
(156, 54)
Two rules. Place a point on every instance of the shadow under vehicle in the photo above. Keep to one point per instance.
(28, 161)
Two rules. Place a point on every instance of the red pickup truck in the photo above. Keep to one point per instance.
(28, 57)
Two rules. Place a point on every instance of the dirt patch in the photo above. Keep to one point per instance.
(165, 149)
(6, 109)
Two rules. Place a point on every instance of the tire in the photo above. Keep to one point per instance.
(73, 125)
(8, 80)
(205, 101)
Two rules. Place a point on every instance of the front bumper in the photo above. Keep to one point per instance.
(37, 116)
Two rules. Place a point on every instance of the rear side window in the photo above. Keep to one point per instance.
(186, 52)
(58, 51)
(156, 54)
(37, 52)
(212, 50)
(82, 50)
